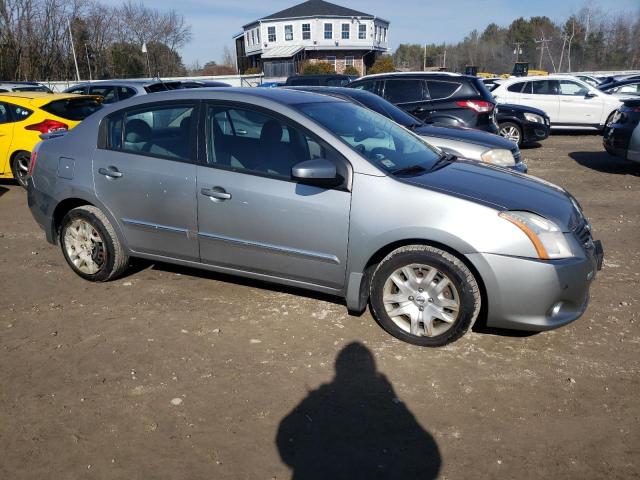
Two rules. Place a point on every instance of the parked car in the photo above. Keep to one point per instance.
(461, 142)
(436, 97)
(117, 90)
(492, 82)
(591, 80)
(330, 80)
(522, 125)
(622, 89)
(319, 193)
(24, 116)
(23, 87)
(622, 136)
(608, 81)
(569, 102)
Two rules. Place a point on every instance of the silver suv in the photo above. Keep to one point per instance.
(319, 193)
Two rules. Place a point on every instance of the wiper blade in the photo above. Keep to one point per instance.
(444, 158)
(413, 169)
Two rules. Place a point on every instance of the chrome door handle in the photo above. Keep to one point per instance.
(111, 172)
(217, 193)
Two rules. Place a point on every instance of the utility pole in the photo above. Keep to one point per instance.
(544, 44)
(444, 57)
(86, 51)
(73, 50)
(424, 59)
(517, 50)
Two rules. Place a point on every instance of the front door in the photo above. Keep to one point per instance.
(6, 136)
(252, 216)
(542, 94)
(146, 177)
(576, 108)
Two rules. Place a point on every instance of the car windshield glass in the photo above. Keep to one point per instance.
(388, 109)
(378, 139)
(73, 108)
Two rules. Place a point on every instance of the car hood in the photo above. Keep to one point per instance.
(502, 189)
(512, 108)
(469, 135)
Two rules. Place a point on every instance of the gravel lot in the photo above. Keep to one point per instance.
(174, 373)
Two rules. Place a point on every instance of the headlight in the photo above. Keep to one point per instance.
(498, 156)
(546, 236)
(532, 117)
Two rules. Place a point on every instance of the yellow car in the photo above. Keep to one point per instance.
(24, 116)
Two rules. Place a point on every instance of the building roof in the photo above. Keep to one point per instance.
(315, 8)
(282, 52)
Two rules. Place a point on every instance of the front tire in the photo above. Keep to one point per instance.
(424, 296)
(20, 167)
(511, 131)
(90, 245)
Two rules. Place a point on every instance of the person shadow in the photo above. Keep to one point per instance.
(355, 427)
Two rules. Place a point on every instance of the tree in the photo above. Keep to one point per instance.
(351, 70)
(383, 64)
(318, 68)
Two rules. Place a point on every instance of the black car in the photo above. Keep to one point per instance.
(609, 82)
(622, 135)
(622, 87)
(522, 125)
(445, 98)
(329, 80)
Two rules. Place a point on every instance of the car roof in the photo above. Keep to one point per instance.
(412, 74)
(620, 83)
(324, 75)
(137, 83)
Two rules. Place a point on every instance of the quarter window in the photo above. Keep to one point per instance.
(271, 34)
(404, 91)
(161, 131)
(362, 32)
(328, 31)
(288, 33)
(306, 31)
(346, 30)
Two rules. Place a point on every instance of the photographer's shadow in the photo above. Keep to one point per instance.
(356, 428)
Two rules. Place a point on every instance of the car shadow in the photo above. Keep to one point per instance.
(530, 146)
(3, 190)
(356, 427)
(605, 163)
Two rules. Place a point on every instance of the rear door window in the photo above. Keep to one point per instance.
(18, 113)
(404, 90)
(439, 90)
(516, 87)
(4, 114)
(77, 108)
(107, 92)
(546, 87)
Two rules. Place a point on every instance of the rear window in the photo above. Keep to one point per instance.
(156, 87)
(73, 108)
(35, 88)
(404, 91)
(303, 81)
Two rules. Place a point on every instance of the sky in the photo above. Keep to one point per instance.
(214, 22)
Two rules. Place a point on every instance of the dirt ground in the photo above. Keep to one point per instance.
(173, 373)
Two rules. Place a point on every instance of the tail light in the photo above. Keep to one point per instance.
(480, 106)
(32, 162)
(48, 126)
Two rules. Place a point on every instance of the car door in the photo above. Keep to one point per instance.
(543, 94)
(576, 106)
(252, 216)
(145, 174)
(6, 136)
(410, 94)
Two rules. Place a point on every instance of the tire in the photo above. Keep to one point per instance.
(405, 312)
(20, 167)
(511, 131)
(90, 245)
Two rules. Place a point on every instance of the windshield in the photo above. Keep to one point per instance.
(378, 139)
(387, 109)
(73, 108)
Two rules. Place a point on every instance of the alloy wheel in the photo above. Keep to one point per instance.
(510, 132)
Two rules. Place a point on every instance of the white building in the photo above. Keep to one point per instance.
(312, 31)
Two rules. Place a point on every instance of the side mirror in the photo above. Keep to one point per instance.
(590, 94)
(319, 171)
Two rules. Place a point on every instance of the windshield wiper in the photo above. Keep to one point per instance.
(413, 169)
(413, 126)
(444, 158)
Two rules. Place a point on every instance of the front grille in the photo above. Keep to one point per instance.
(583, 232)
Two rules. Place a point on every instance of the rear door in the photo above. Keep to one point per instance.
(145, 173)
(545, 95)
(410, 94)
(6, 136)
(252, 216)
(575, 107)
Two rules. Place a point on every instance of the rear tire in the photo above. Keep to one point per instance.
(90, 245)
(20, 167)
(511, 131)
(424, 296)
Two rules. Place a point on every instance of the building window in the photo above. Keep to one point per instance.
(258, 34)
(332, 61)
(348, 61)
(306, 31)
(384, 34)
(271, 34)
(362, 32)
(346, 29)
(328, 31)
(288, 33)
(253, 37)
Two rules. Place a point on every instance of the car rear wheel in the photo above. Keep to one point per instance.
(90, 245)
(511, 131)
(20, 167)
(424, 296)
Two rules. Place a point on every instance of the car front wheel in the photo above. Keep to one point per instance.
(424, 296)
(90, 245)
(511, 131)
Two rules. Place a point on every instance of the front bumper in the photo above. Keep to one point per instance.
(535, 295)
(535, 132)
